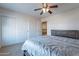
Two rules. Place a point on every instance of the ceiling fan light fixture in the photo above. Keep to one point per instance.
(47, 9)
(44, 10)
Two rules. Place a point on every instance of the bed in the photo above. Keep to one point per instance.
(60, 43)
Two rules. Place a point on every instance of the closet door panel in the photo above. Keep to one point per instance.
(8, 31)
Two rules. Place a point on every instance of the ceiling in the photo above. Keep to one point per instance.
(28, 8)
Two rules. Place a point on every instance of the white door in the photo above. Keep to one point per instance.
(8, 30)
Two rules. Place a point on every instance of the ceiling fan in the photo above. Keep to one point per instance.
(46, 8)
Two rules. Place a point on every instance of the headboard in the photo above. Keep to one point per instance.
(66, 33)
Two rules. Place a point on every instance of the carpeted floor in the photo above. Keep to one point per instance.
(13, 50)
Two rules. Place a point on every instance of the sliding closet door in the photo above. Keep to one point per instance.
(8, 30)
(14, 30)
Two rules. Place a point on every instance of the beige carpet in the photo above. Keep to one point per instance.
(13, 50)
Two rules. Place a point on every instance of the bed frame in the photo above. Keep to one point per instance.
(66, 33)
(74, 34)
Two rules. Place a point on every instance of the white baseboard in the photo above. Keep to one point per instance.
(12, 44)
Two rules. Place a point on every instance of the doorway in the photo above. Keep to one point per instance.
(44, 28)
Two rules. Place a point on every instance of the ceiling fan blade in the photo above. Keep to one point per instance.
(50, 12)
(41, 13)
(55, 6)
(46, 5)
(37, 9)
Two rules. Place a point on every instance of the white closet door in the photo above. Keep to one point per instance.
(8, 30)
(14, 30)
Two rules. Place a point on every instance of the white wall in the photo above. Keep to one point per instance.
(15, 27)
(65, 21)
(34, 27)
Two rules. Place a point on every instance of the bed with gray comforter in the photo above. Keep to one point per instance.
(51, 46)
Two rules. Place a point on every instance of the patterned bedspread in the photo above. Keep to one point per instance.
(51, 46)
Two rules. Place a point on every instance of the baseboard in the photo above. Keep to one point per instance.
(12, 44)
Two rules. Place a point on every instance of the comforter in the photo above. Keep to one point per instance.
(51, 46)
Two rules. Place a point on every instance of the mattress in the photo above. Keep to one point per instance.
(51, 46)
